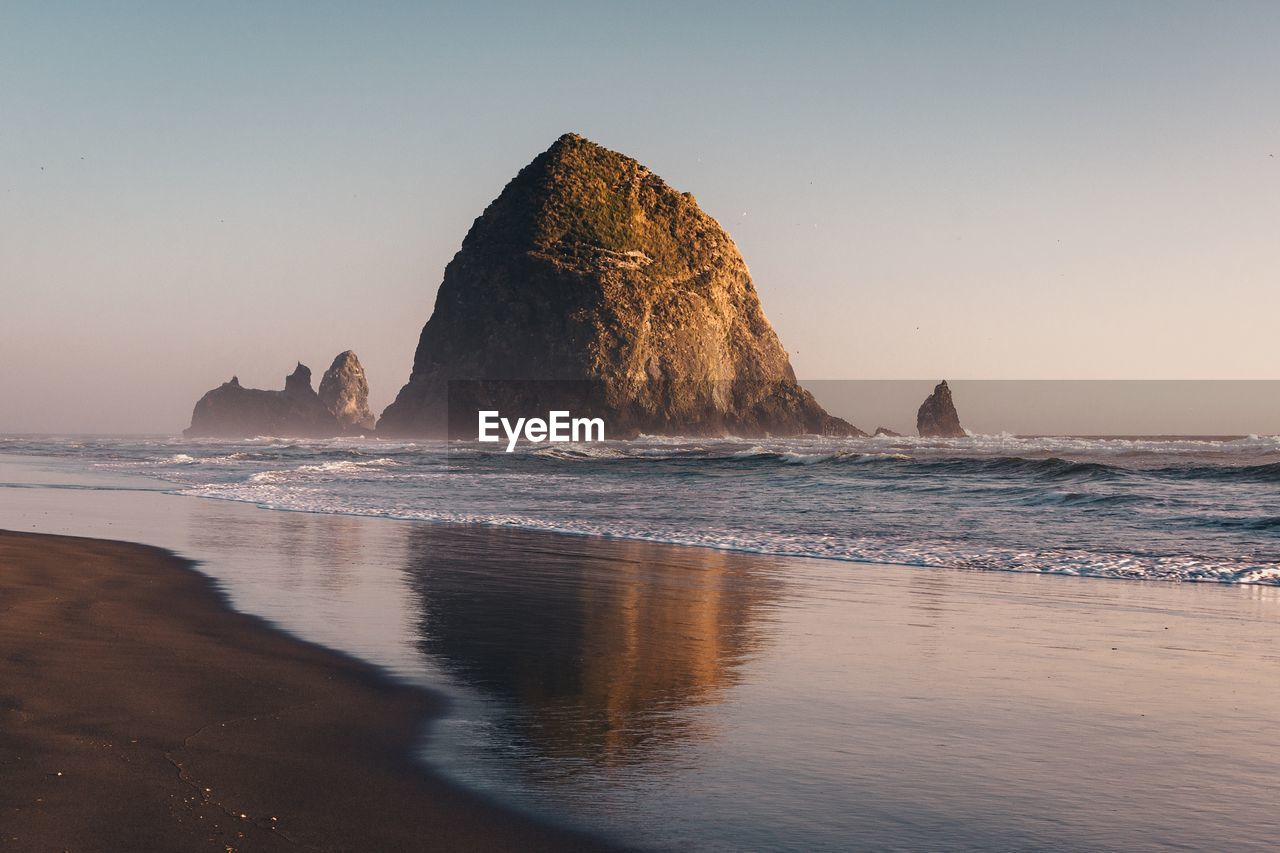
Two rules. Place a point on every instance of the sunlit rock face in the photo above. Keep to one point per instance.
(590, 274)
(233, 411)
(937, 417)
(344, 390)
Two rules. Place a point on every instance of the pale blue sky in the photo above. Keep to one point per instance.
(970, 190)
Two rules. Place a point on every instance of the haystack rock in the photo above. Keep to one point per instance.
(233, 411)
(592, 286)
(885, 431)
(344, 390)
(937, 417)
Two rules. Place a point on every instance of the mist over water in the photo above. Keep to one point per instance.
(1138, 508)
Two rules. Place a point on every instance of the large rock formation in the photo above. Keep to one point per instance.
(233, 411)
(937, 417)
(345, 393)
(591, 285)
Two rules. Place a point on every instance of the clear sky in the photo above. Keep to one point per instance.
(968, 190)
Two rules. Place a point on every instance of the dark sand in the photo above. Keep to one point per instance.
(138, 712)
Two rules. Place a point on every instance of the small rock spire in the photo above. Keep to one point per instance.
(299, 381)
(937, 417)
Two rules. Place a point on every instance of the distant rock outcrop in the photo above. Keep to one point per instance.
(885, 431)
(233, 411)
(591, 285)
(937, 417)
(345, 393)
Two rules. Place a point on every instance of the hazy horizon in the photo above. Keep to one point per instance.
(921, 191)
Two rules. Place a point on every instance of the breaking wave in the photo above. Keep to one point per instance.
(1134, 508)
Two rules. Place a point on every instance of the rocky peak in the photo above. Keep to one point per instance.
(589, 268)
(298, 382)
(232, 411)
(344, 390)
(937, 417)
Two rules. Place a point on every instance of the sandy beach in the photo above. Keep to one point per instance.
(138, 712)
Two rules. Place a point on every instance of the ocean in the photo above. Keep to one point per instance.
(881, 644)
(1160, 509)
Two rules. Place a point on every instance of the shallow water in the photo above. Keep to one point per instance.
(696, 698)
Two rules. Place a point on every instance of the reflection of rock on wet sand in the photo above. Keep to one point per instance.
(604, 649)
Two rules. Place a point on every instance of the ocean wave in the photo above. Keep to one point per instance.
(1264, 473)
(1261, 523)
(943, 554)
(1183, 509)
(329, 469)
(588, 452)
(789, 457)
(1084, 499)
(1053, 468)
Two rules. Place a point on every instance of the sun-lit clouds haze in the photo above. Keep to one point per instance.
(921, 190)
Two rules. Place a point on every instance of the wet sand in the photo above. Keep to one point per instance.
(138, 712)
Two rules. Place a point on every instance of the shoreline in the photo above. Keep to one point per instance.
(141, 711)
(670, 696)
(287, 479)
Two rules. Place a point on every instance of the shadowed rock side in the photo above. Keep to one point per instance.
(937, 417)
(590, 271)
(344, 390)
(233, 411)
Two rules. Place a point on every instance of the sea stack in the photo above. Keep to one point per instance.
(886, 432)
(590, 285)
(937, 417)
(344, 390)
(233, 411)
